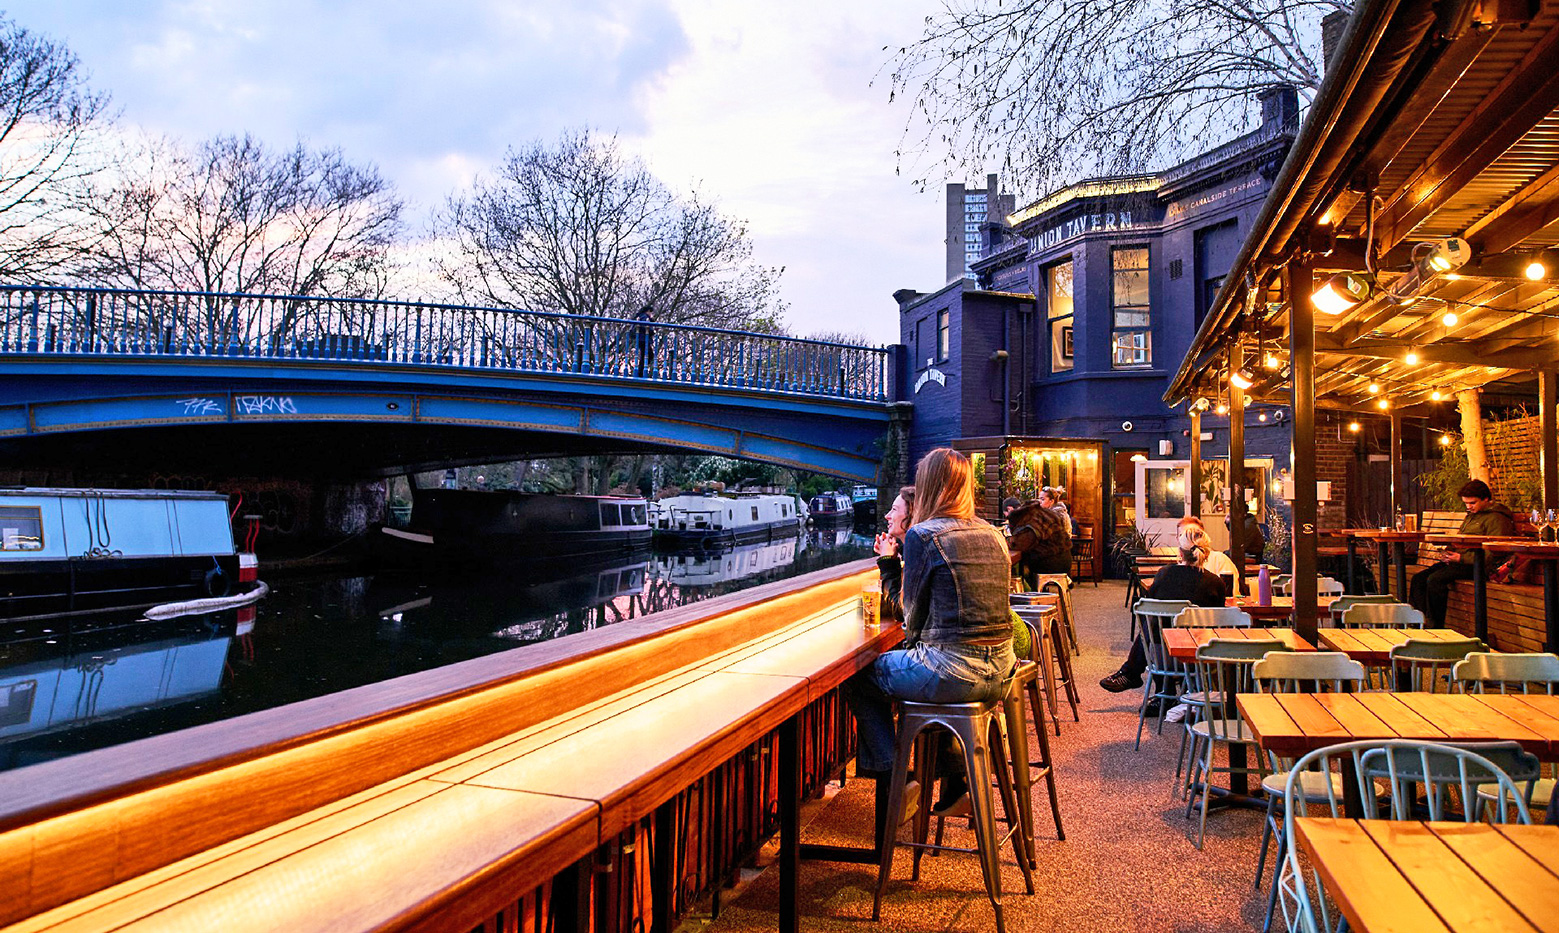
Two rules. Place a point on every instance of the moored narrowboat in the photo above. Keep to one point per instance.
(831, 508)
(64, 550)
(472, 527)
(704, 520)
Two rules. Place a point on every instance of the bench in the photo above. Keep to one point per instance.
(448, 811)
(1515, 612)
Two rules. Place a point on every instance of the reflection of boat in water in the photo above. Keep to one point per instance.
(66, 674)
(863, 500)
(506, 607)
(470, 527)
(841, 536)
(705, 568)
(74, 549)
(703, 520)
(831, 508)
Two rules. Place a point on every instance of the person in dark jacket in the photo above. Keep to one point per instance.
(1430, 589)
(1040, 541)
(957, 623)
(1254, 543)
(1186, 580)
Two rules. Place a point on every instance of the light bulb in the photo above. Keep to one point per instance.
(1223, 409)
(1262, 417)
(1353, 426)
(1383, 404)
(1437, 395)
(1272, 362)
(1445, 440)
(1374, 388)
(1449, 319)
(1412, 358)
(1536, 270)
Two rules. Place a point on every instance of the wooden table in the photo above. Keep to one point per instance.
(1436, 877)
(1548, 556)
(1372, 646)
(1183, 642)
(1397, 540)
(1480, 574)
(1281, 607)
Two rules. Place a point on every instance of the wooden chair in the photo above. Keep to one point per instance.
(1082, 554)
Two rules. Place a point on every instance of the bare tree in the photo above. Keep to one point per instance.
(582, 229)
(1053, 91)
(228, 215)
(46, 112)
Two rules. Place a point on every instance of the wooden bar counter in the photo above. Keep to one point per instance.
(445, 799)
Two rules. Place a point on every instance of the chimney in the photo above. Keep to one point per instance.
(1279, 108)
(1333, 25)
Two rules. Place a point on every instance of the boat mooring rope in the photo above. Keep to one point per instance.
(210, 604)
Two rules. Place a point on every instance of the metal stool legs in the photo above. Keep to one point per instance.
(1025, 683)
(1061, 584)
(973, 724)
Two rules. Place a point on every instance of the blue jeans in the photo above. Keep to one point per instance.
(925, 674)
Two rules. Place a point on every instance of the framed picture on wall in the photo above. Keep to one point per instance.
(1066, 342)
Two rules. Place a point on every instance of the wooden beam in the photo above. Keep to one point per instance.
(1468, 354)
(1523, 214)
(1301, 354)
(1522, 101)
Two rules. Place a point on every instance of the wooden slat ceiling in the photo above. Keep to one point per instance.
(1481, 164)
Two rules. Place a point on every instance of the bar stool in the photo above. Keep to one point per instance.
(974, 724)
(1062, 585)
(1055, 663)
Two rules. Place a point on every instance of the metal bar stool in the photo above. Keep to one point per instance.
(1061, 585)
(974, 724)
(1055, 662)
(1025, 683)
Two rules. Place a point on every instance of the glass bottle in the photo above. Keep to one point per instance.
(1401, 520)
(1550, 530)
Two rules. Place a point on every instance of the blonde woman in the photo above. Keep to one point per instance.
(958, 628)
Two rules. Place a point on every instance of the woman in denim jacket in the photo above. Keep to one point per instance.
(958, 629)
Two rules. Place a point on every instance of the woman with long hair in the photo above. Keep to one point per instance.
(958, 627)
(1188, 580)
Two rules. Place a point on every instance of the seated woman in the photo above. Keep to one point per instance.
(958, 626)
(1187, 580)
(890, 554)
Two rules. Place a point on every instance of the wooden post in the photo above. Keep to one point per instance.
(1236, 514)
(1301, 355)
(1196, 461)
(1396, 463)
(1548, 441)
(1471, 409)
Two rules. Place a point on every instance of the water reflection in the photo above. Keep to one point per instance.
(68, 686)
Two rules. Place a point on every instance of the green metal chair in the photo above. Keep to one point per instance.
(1420, 665)
(1223, 671)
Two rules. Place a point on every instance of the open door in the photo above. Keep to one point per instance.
(1162, 501)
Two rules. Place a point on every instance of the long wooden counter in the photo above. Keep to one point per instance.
(434, 800)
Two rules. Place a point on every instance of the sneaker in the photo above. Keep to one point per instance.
(1118, 682)
(1152, 708)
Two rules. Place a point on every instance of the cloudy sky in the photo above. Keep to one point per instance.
(769, 107)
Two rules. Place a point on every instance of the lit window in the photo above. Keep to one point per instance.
(941, 334)
(1132, 337)
(1058, 296)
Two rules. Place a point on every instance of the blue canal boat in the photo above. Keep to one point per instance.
(65, 550)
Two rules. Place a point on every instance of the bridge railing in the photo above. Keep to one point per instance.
(119, 323)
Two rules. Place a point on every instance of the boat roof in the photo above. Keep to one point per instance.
(65, 493)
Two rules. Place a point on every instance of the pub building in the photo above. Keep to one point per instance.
(1051, 365)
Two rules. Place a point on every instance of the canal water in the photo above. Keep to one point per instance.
(69, 686)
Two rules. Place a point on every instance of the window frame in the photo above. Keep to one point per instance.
(36, 516)
(944, 330)
(1062, 327)
(1142, 331)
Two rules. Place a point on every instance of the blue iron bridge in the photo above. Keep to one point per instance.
(143, 379)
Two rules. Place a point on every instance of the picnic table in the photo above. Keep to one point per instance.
(1436, 877)
(1548, 556)
(1291, 724)
(1480, 575)
(1281, 607)
(1372, 646)
(1397, 541)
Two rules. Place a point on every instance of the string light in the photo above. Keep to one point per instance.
(1449, 319)
(1437, 395)
(1222, 409)
(1353, 426)
(1445, 440)
(1374, 388)
(1536, 270)
(1412, 358)
(1262, 417)
(1272, 362)
(1383, 404)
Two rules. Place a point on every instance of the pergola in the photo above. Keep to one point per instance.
(1424, 190)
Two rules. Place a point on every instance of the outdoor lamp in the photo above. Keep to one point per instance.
(1242, 379)
(1353, 426)
(1383, 404)
(1447, 254)
(1341, 292)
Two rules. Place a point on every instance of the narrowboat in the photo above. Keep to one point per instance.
(832, 508)
(64, 550)
(475, 528)
(691, 521)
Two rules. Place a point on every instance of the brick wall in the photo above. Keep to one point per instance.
(1333, 457)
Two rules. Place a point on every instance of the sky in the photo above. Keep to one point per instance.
(768, 107)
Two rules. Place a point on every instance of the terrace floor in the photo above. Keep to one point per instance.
(1129, 861)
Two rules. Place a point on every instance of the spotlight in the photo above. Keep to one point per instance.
(1353, 426)
(1412, 358)
(1536, 270)
(1374, 388)
(1449, 320)
(1447, 254)
(1341, 292)
(1139, 458)
(1242, 379)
